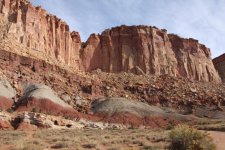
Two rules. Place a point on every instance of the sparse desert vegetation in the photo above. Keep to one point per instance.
(184, 137)
(212, 125)
(181, 137)
(84, 139)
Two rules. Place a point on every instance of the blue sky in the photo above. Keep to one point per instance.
(200, 19)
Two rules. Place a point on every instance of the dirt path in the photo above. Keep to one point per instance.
(219, 139)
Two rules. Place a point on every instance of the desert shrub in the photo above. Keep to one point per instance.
(9, 110)
(187, 138)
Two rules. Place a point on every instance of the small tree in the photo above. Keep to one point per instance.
(187, 138)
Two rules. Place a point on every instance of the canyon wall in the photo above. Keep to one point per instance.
(39, 31)
(149, 49)
(135, 49)
(219, 63)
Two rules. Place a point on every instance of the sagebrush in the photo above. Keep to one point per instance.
(187, 138)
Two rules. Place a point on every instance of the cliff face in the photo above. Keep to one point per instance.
(150, 50)
(131, 49)
(219, 63)
(128, 49)
(194, 59)
(39, 31)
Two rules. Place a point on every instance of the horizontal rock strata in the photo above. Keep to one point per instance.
(135, 49)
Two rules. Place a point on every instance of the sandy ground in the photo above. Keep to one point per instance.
(219, 139)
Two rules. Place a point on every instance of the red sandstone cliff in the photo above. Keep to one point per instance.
(39, 31)
(149, 49)
(131, 49)
(219, 63)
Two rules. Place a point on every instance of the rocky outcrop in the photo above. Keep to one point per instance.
(149, 50)
(39, 91)
(31, 31)
(36, 65)
(124, 111)
(35, 29)
(219, 63)
(6, 89)
(111, 106)
(41, 98)
(7, 92)
(33, 121)
(5, 120)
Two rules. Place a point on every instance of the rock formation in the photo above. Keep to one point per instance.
(136, 49)
(6, 89)
(148, 49)
(121, 110)
(39, 91)
(7, 92)
(31, 120)
(219, 63)
(5, 119)
(34, 28)
(41, 98)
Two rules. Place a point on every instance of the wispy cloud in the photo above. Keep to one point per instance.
(200, 19)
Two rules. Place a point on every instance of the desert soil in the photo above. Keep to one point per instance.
(83, 139)
(92, 139)
(219, 139)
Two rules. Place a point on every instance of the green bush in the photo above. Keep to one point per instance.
(187, 138)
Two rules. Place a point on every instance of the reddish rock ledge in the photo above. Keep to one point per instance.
(45, 106)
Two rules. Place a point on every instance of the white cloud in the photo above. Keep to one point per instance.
(200, 19)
